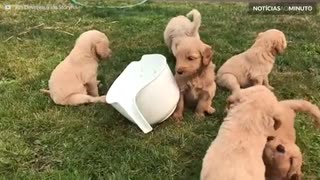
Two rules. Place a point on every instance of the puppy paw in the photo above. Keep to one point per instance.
(102, 99)
(177, 116)
(211, 110)
(200, 116)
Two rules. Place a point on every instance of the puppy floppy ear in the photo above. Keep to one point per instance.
(280, 44)
(295, 168)
(206, 54)
(102, 50)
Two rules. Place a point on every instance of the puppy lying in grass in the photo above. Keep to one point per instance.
(194, 68)
(283, 160)
(253, 66)
(74, 80)
(282, 157)
(236, 153)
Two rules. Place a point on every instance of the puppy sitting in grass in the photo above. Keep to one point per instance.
(74, 80)
(253, 66)
(194, 71)
(236, 153)
(282, 157)
(180, 27)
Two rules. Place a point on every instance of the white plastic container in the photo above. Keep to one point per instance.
(146, 92)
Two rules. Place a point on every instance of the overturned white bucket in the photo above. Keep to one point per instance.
(146, 92)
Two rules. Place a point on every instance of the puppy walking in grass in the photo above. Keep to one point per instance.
(74, 80)
(194, 71)
(253, 66)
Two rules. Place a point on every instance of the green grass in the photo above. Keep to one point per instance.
(40, 140)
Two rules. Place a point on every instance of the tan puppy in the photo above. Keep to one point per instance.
(236, 153)
(74, 80)
(180, 27)
(253, 66)
(194, 68)
(195, 77)
(282, 156)
(283, 160)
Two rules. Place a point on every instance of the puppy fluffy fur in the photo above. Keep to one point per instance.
(180, 27)
(283, 160)
(194, 68)
(195, 78)
(282, 156)
(236, 153)
(253, 66)
(74, 80)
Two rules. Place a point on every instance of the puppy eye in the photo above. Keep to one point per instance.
(270, 138)
(190, 58)
(277, 123)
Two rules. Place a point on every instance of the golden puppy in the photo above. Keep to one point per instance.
(236, 153)
(282, 156)
(194, 68)
(195, 77)
(74, 80)
(283, 160)
(253, 66)
(180, 27)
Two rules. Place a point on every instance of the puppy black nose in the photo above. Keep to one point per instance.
(294, 177)
(179, 71)
(280, 148)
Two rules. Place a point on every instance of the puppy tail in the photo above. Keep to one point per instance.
(304, 106)
(195, 14)
(45, 91)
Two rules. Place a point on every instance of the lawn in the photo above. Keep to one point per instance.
(40, 140)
